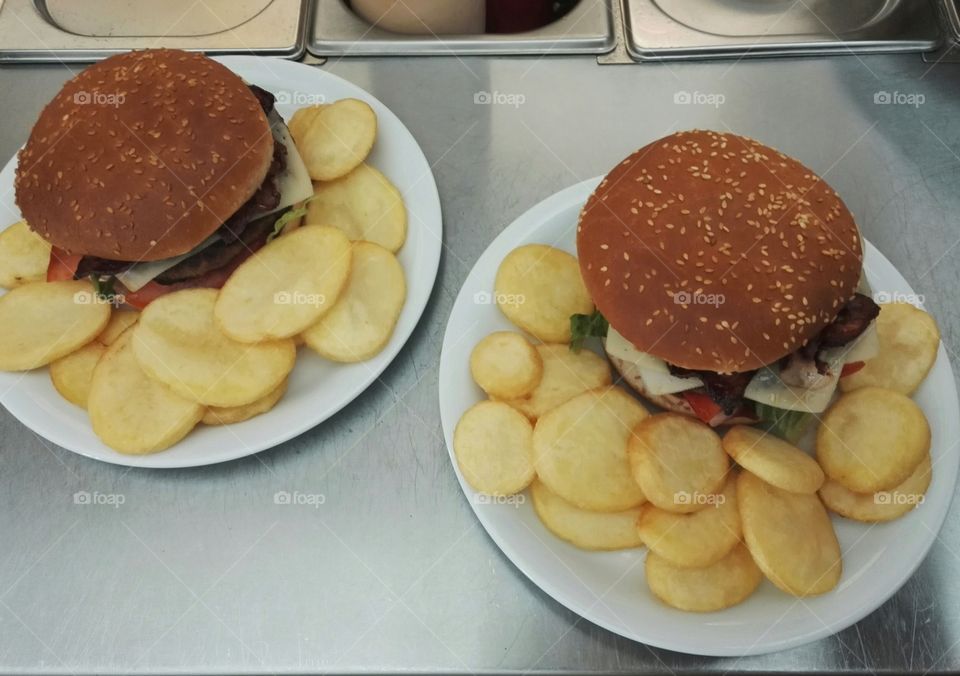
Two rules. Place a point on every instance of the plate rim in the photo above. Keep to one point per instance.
(534, 217)
(432, 247)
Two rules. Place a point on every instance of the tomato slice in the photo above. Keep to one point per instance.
(851, 368)
(705, 408)
(63, 266)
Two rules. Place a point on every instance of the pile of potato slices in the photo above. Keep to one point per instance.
(717, 513)
(330, 280)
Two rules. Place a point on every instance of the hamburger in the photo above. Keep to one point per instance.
(157, 170)
(727, 280)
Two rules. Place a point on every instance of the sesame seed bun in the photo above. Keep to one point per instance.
(143, 156)
(715, 252)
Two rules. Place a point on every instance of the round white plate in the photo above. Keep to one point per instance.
(608, 588)
(318, 388)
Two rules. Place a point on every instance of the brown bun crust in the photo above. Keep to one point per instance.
(142, 156)
(715, 252)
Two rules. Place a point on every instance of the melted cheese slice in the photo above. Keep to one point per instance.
(654, 372)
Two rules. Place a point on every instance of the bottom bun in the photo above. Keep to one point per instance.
(668, 402)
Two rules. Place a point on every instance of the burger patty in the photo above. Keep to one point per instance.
(727, 389)
(237, 233)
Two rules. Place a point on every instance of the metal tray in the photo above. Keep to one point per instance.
(337, 31)
(698, 29)
(87, 30)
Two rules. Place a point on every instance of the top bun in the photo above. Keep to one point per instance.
(142, 156)
(715, 252)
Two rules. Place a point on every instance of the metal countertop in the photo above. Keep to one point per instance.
(198, 571)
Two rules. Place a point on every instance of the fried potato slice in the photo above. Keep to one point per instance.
(364, 204)
(215, 415)
(678, 462)
(565, 375)
(506, 366)
(120, 321)
(720, 585)
(493, 444)
(72, 375)
(882, 506)
(43, 321)
(301, 121)
(24, 256)
(773, 459)
(693, 540)
(177, 342)
(909, 339)
(131, 412)
(286, 286)
(538, 287)
(337, 138)
(580, 450)
(583, 528)
(872, 439)
(359, 326)
(790, 537)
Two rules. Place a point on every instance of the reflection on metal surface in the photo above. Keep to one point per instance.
(87, 30)
(134, 18)
(724, 28)
(337, 31)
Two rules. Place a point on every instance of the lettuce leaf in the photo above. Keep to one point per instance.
(789, 425)
(586, 326)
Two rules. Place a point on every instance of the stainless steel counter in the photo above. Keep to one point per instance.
(200, 572)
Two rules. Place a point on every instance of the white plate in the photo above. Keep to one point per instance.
(608, 588)
(318, 388)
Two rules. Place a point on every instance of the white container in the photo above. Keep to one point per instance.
(425, 17)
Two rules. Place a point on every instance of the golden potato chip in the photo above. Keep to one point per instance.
(131, 412)
(364, 204)
(773, 459)
(360, 325)
(493, 446)
(120, 321)
(583, 528)
(506, 366)
(235, 414)
(697, 539)
(43, 321)
(882, 506)
(790, 537)
(286, 286)
(872, 439)
(72, 375)
(565, 375)
(24, 256)
(337, 139)
(301, 121)
(580, 450)
(909, 339)
(178, 343)
(538, 287)
(678, 462)
(720, 585)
